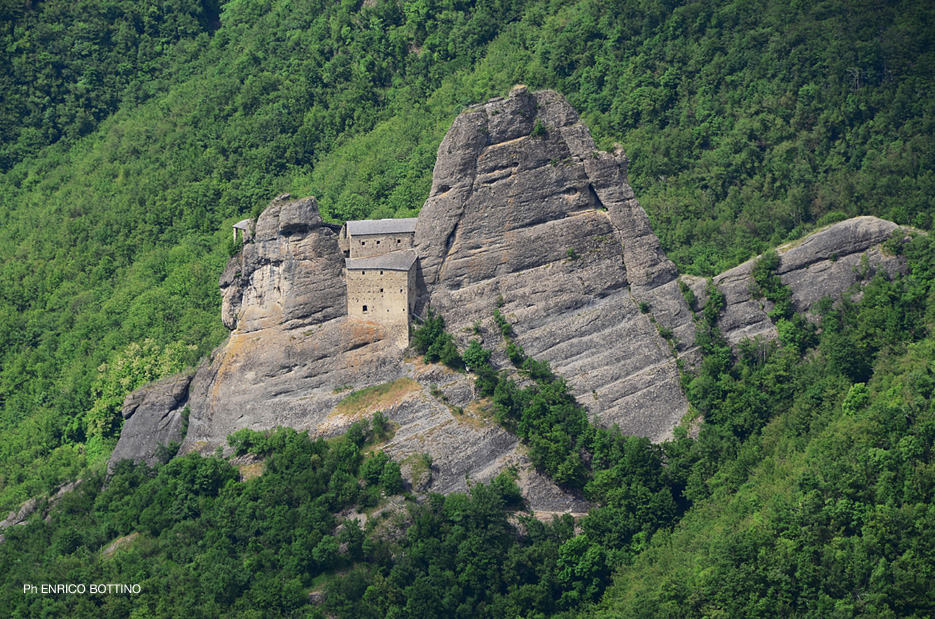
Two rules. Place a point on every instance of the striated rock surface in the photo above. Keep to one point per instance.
(291, 274)
(152, 419)
(294, 355)
(524, 208)
(525, 214)
(825, 263)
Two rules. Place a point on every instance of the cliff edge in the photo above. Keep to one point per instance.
(524, 215)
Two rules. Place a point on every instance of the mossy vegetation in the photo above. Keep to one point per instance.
(374, 397)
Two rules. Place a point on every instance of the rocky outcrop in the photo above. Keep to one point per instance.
(153, 418)
(285, 377)
(825, 263)
(524, 214)
(293, 355)
(42, 505)
(291, 274)
(524, 209)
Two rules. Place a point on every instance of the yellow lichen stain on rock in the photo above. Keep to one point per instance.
(478, 415)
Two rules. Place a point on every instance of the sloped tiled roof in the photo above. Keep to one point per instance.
(361, 227)
(392, 261)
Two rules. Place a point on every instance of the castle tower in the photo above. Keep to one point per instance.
(382, 289)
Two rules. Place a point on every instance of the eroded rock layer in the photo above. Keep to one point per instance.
(525, 211)
(525, 215)
(826, 263)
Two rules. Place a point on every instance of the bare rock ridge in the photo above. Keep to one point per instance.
(525, 214)
(825, 263)
(524, 208)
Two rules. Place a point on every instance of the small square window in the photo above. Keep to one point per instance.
(398, 241)
(378, 242)
(381, 272)
(363, 242)
(365, 308)
(381, 290)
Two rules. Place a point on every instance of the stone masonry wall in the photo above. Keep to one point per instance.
(386, 296)
(367, 245)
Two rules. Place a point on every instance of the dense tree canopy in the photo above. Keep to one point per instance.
(132, 133)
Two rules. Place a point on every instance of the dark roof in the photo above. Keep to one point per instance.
(381, 226)
(243, 224)
(392, 261)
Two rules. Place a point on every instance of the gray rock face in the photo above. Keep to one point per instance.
(152, 419)
(285, 377)
(548, 223)
(290, 275)
(291, 344)
(825, 263)
(524, 213)
(293, 356)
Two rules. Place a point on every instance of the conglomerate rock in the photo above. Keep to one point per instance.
(152, 419)
(529, 214)
(290, 274)
(825, 263)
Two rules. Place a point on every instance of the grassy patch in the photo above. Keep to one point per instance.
(375, 397)
(251, 470)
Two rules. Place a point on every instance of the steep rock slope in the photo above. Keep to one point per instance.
(525, 209)
(526, 214)
(826, 263)
(294, 355)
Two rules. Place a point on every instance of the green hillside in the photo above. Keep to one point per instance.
(133, 133)
(807, 492)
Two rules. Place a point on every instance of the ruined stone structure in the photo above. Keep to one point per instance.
(244, 228)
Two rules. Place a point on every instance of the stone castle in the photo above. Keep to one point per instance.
(379, 267)
(539, 224)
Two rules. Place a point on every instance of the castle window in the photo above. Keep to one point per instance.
(363, 272)
(398, 241)
(365, 308)
(378, 241)
(381, 272)
(381, 290)
(363, 242)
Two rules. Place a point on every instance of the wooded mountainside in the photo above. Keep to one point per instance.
(134, 133)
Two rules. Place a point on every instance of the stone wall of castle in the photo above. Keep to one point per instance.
(365, 246)
(382, 296)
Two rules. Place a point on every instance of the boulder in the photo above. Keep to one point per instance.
(153, 418)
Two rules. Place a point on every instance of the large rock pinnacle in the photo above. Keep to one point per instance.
(291, 274)
(523, 207)
(524, 215)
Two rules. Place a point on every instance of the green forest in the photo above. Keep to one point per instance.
(132, 134)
